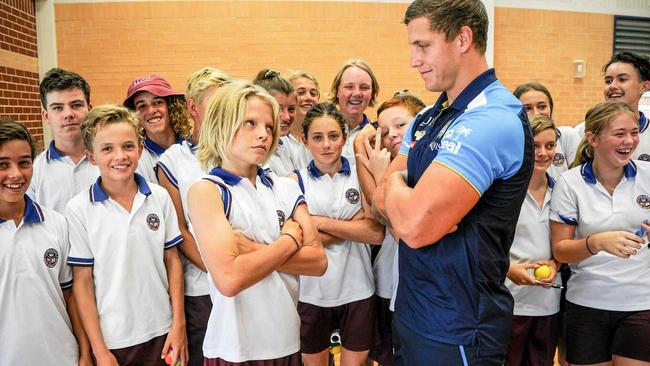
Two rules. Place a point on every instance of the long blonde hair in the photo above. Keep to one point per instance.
(225, 115)
(596, 120)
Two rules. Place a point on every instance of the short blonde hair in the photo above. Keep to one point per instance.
(333, 96)
(297, 74)
(225, 115)
(106, 114)
(202, 80)
(539, 123)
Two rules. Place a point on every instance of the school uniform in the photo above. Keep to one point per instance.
(300, 155)
(57, 178)
(34, 325)
(565, 151)
(348, 278)
(150, 156)
(261, 322)
(281, 162)
(604, 282)
(642, 151)
(126, 252)
(534, 325)
(348, 148)
(182, 168)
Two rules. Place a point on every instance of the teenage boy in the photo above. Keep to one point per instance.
(62, 170)
(35, 281)
(123, 238)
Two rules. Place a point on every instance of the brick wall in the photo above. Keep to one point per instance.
(540, 45)
(19, 98)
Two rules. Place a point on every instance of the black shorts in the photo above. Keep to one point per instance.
(594, 335)
(147, 353)
(355, 321)
(382, 348)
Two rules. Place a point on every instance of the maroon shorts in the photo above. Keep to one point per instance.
(197, 313)
(143, 354)
(382, 348)
(594, 335)
(533, 340)
(355, 321)
(291, 360)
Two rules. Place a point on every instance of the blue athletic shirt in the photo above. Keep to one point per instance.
(453, 291)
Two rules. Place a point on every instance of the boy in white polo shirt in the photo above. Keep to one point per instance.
(35, 282)
(62, 170)
(123, 233)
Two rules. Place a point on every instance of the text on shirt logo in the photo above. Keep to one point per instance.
(352, 195)
(51, 257)
(644, 157)
(643, 201)
(558, 159)
(153, 221)
(281, 218)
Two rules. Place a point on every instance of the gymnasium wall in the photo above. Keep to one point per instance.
(19, 99)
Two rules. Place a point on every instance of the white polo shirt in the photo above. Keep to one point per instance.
(57, 179)
(182, 169)
(150, 156)
(349, 271)
(382, 268)
(348, 148)
(604, 281)
(642, 151)
(300, 155)
(261, 322)
(280, 162)
(126, 252)
(34, 325)
(565, 151)
(532, 243)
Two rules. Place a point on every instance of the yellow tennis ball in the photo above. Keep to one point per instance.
(542, 272)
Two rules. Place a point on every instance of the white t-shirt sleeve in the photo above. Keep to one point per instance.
(168, 168)
(290, 194)
(564, 205)
(65, 275)
(569, 139)
(80, 252)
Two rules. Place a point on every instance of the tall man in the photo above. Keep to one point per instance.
(469, 160)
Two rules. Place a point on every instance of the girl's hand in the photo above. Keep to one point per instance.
(367, 132)
(378, 159)
(553, 265)
(518, 273)
(176, 343)
(293, 228)
(244, 245)
(622, 244)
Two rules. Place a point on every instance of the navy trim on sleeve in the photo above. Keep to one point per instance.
(84, 262)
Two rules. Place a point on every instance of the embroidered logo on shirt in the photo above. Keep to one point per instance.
(51, 257)
(643, 201)
(153, 221)
(644, 157)
(558, 159)
(281, 218)
(352, 195)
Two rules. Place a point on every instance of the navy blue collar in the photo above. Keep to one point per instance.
(231, 179)
(587, 171)
(97, 194)
(157, 149)
(550, 181)
(53, 153)
(33, 212)
(470, 92)
(345, 168)
(643, 122)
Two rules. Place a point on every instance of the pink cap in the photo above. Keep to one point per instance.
(155, 84)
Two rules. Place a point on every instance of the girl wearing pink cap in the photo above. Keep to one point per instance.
(164, 116)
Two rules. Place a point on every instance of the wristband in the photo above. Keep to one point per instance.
(587, 245)
(294, 240)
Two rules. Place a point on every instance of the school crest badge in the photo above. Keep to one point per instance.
(281, 218)
(643, 201)
(352, 195)
(153, 221)
(51, 257)
(559, 159)
(644, 157)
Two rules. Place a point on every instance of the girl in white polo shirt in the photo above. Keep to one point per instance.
(537, 100)
(342, 298)
(35, 282)
(254, 320)
(598, 209)
(535, 320)
(178, 168)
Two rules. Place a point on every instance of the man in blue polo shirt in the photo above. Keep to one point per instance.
(468, 160)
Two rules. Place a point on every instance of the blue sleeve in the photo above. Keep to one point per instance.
(483, 145)
(406, 140)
